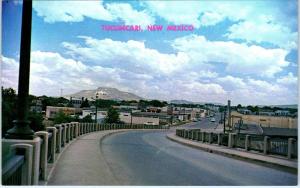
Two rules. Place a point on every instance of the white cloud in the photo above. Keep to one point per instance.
(9, 74)
(130, 16)
(276, 34)
(231, 83)
(71, 11)
(61, 72)
(130, 55)
(258, 21)
(77, 11)
(182, 12)
(238, 58)
(289, 79)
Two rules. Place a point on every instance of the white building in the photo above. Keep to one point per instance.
(92, 112)
(128, 118)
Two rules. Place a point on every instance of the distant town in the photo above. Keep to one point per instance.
(113, 106)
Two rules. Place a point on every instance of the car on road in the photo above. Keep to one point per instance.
(213, 120)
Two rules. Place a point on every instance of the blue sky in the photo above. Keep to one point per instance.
(245, 51)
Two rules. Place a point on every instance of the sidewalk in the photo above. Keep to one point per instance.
(83, 164)
(269, 160)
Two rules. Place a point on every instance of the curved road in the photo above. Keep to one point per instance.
(149, 158)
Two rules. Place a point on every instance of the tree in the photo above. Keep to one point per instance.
(239, 106)
(102, 103)
(85, 104)
(9, 112)
(87, 119)
(112, 116)
(36, 121)
(61, 117)
(9, 108)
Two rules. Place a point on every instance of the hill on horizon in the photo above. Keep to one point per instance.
(105, 93)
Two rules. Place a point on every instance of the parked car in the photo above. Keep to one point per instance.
(213, 120)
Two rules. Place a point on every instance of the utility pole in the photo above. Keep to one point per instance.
(96, 104)
(21, 129)
(224, 119)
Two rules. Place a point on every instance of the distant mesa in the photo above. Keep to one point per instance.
(105, 93)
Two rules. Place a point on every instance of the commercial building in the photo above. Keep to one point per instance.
(266, 120)
(51, 111)
(137, 118)
(101, 114)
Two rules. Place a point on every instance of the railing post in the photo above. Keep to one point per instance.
(210, 137)
(291, 142)
(53, 143)
(44, 153)
(65, 134)
(266, 145)
(247, 142)
(76, 130)
(199, 133)
(71, 131)
(203, 137)
(219, 138)
(231, 140)
(27, 169)
(58, 138)
(80, 128)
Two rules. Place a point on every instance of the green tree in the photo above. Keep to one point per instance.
(61, 117)
(36, 121)
(239, 106)
(112, 116)
(9, 111)
(102, 103)
(85, 104)
(9, 108)
(87, 119)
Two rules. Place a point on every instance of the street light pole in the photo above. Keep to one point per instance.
(21, 129)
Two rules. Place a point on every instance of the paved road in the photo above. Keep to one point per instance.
(149, 158)
(205, 123)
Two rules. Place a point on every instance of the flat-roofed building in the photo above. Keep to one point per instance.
(267, 120)
(51, 111)
(133, 118)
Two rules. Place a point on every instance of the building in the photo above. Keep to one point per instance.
(101, 114)
(137, 118)
(36, 106)
(266, 120)
(76, 102)
(51, 111)
(244, 111)
(282, 113)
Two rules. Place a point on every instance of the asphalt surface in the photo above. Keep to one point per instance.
(149, 158)
(205, 123)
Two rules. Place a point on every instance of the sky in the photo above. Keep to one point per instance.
(245, 51)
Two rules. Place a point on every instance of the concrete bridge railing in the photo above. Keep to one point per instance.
(283, 146)
(28, 160)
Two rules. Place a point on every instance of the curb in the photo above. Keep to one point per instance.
(268, 163)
